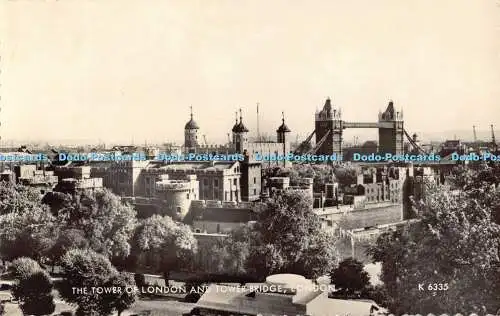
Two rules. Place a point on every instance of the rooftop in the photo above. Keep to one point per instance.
(199, 165)
(251, 300)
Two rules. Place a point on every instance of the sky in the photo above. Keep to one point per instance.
(122, 71)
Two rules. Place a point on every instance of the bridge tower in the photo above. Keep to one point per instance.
(391, 131)
(329, 124)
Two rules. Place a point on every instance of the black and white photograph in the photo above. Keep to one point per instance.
(249, 157)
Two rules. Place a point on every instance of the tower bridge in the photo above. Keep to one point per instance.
(329, 127)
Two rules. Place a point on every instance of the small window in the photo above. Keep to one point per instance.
(187, 196)
(205, 181)
(216, 182)
(254, 192)
(235, 181)
(178, 210)
(197, 230)
(254, 180)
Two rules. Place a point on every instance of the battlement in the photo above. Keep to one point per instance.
(267, 147)
(208, 170)
(305, 181)
(215, 147)
(90, 183)
(279, 180)
(200, 204)
(173, 185)
(166, 184)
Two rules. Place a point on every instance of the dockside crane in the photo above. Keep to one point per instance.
(493, 140)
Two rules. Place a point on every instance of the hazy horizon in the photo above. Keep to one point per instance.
(126, 70)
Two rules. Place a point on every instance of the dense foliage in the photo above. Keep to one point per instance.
(27, 228)
(23, 267)
(106, 222)
(286, 238)
(449, 261)
(163, 245)
(350, 279)
(87, 280)
(34, 292)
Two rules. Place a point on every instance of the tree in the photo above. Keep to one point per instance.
(35, 294)
(126, 296)
(447, 262)
(27, 228)
(345, 174)
(288, 237)
(68, 239)
(350, 278)
(21, 268)
(107, 222)
(227, 255)
(88, 280)
(164, 245)
(480, 183)
(57, 201)
(15, 198)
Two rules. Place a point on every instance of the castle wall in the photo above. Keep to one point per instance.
(268, 149)
(174, 196)
(251, 181)
(215, 227)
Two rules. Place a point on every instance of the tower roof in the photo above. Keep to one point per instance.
(326, 112)
(328, 105)
(283, 128)
(191, 124)
(235, 127)
(240, 128)
(389, 112)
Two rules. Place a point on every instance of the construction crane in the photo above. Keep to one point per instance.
(493, 140)
(413, 143)
(305, 145)
(318, 145)
(474, 131)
